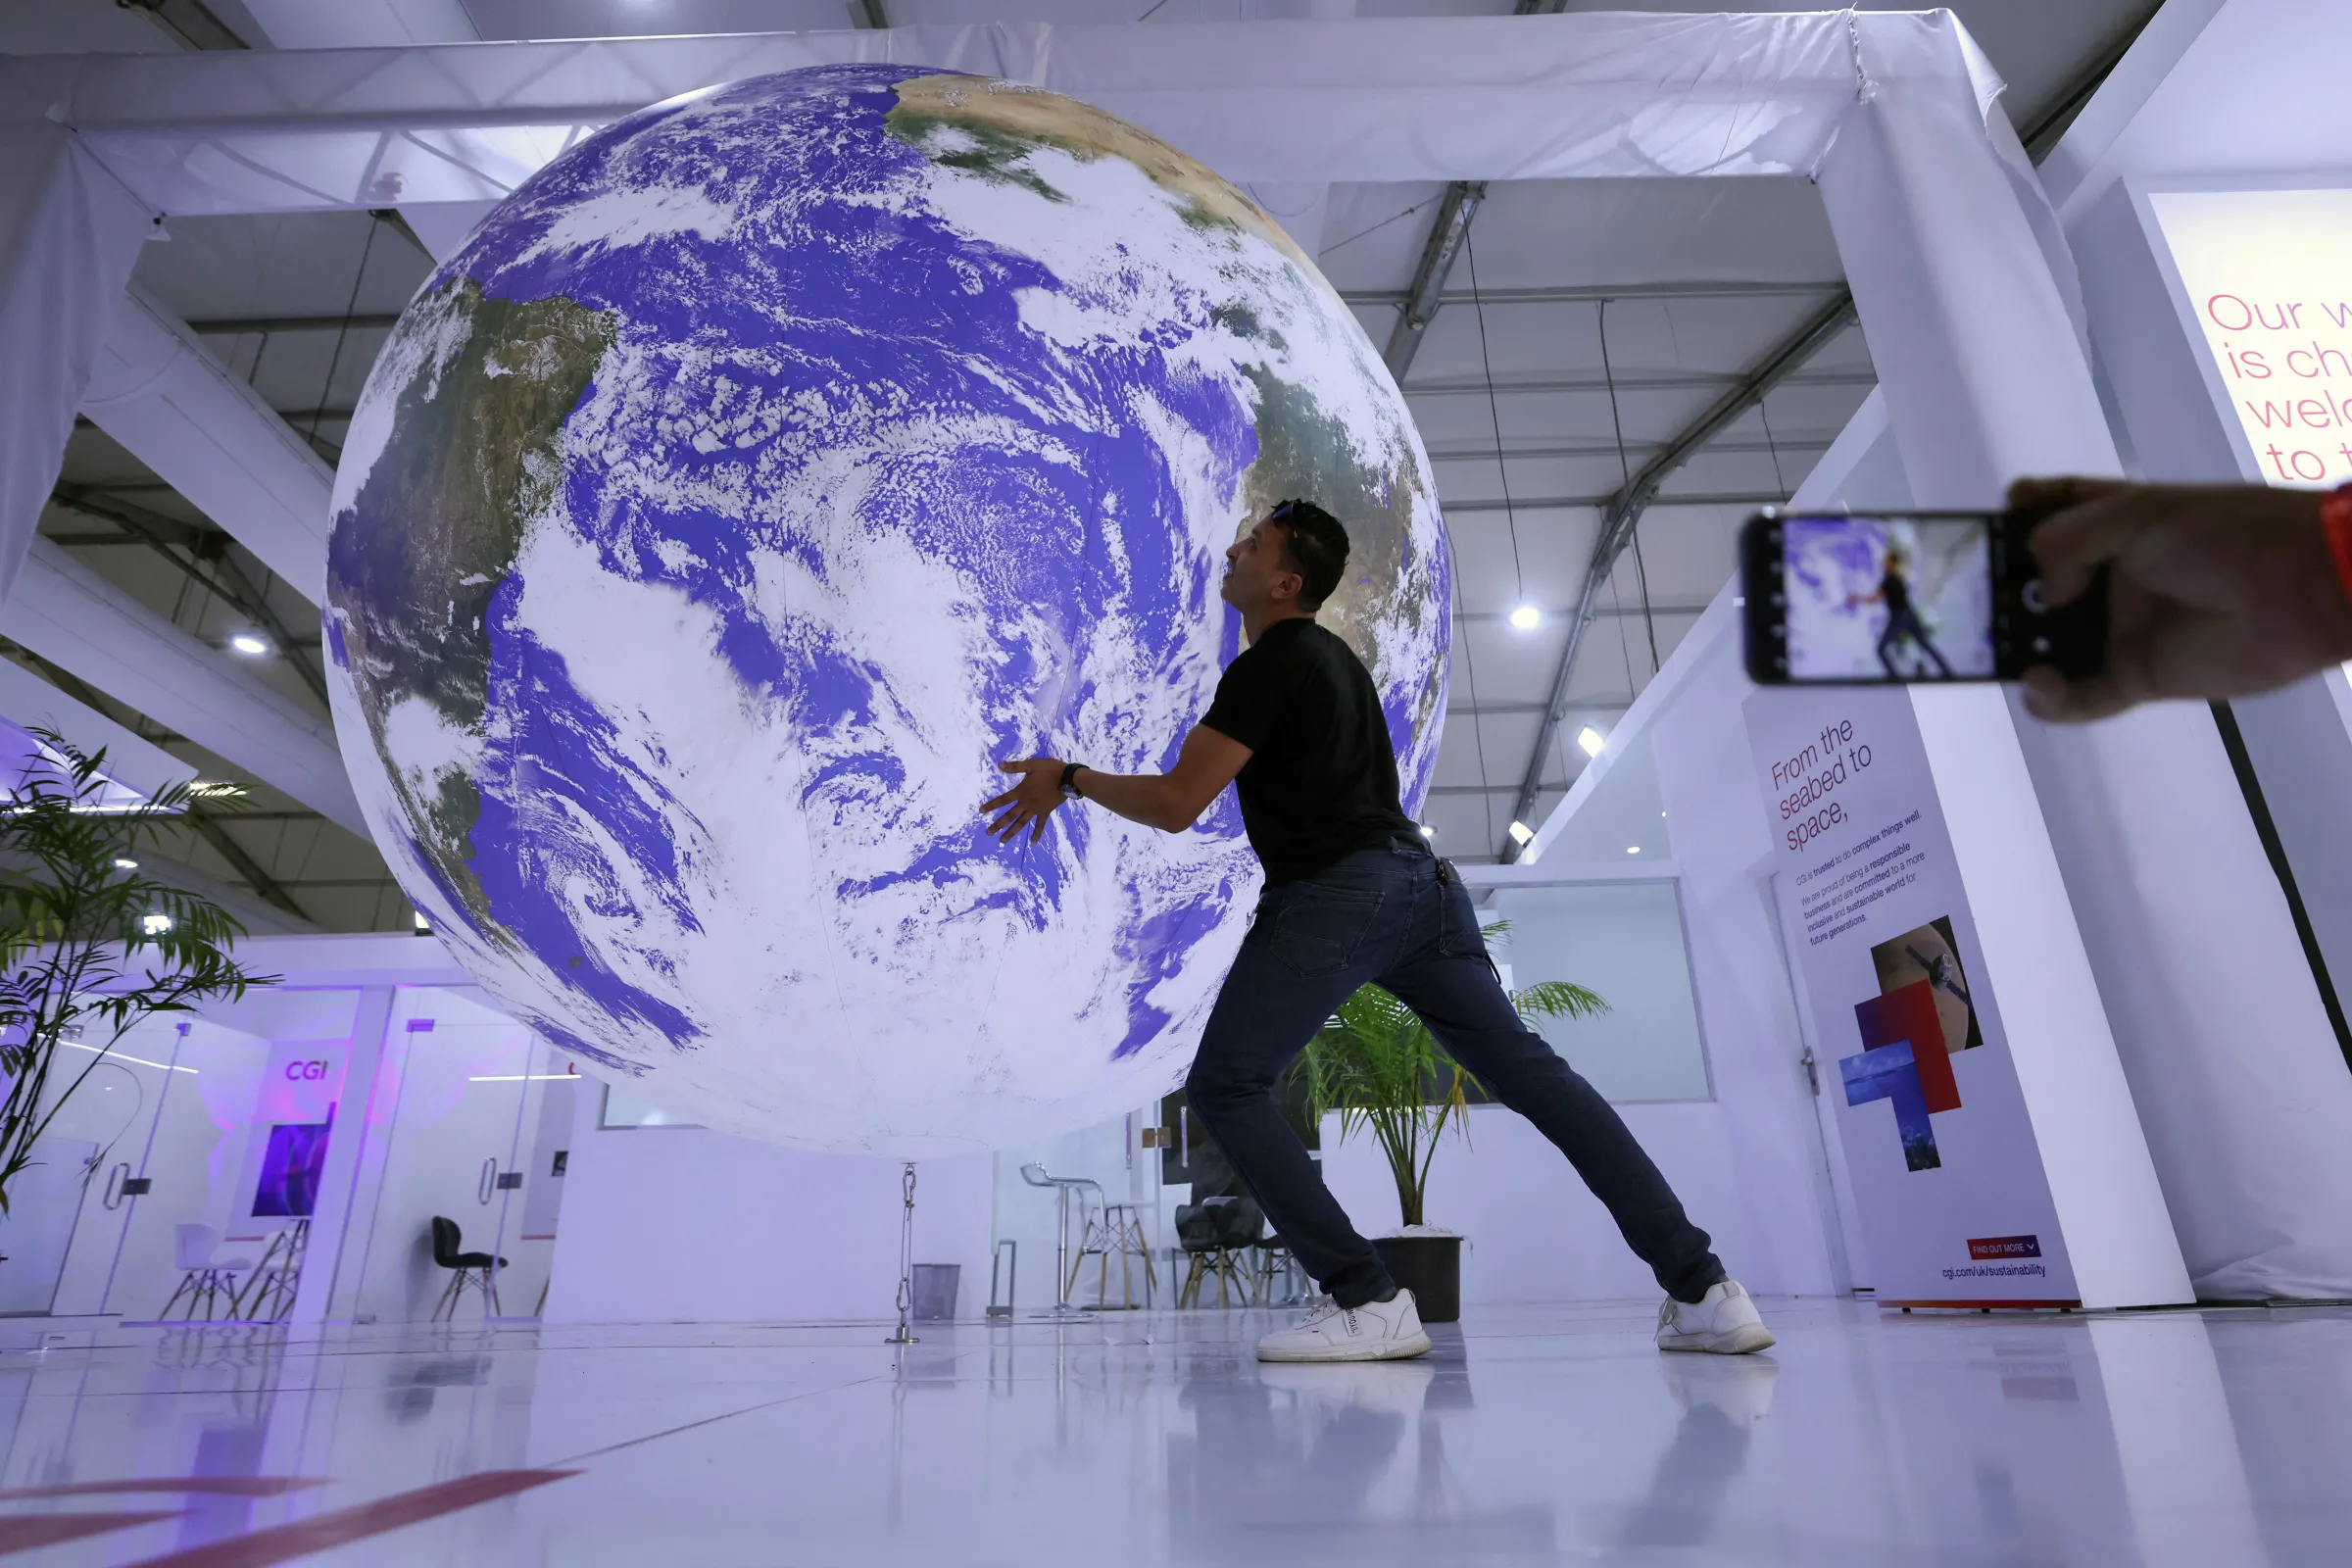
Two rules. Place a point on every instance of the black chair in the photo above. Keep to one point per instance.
(479, 1271)
(1215, 1233)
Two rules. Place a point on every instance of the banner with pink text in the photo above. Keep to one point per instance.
(2265, 278)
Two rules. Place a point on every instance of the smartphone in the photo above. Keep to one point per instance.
(1860, 597)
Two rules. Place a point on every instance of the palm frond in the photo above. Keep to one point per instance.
(83, 936)
(1379, 1068)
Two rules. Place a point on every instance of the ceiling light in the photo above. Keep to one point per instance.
(423, 925)
(1527, 617)
(155, 925)
(1591, 741)
(1521, 833)
(1428, 832)
(122, 865)
(249, 644)
(1633, 849)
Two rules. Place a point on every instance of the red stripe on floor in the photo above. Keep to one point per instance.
(345, 1525)
(212, 1486)
(26, 1532)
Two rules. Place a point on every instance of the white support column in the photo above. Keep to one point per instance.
(1984, 377)
(73, 617)
(338, 1221)
(69, 235)
(161, 393)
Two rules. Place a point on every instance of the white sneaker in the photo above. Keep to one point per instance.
(1377, 1330)
(1722, 1322)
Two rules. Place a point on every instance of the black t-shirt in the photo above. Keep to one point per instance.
(1895, 589)
(1321, 779)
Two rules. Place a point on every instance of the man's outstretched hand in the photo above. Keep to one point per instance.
(2215, 591)
(1030, 801)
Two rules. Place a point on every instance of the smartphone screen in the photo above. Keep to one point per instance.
(1888, 598)
(1920, 596)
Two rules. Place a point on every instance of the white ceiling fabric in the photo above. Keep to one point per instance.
(1574, 96)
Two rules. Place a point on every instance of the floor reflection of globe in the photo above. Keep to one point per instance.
(763, 470)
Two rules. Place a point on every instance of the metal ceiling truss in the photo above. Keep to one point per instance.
(1685, 381)
(1697, 606)
(1422, 300)
(1595, 449)
(1447, 233)
(1587, 293)
(1610, 501)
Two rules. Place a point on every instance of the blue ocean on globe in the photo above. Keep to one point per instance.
(761, 473)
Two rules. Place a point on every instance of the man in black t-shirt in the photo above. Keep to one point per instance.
(1354, 895)
(1902, 618)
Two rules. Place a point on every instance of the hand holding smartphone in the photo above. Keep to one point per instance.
(1903, 597)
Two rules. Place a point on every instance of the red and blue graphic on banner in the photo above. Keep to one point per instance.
(1906, 1062)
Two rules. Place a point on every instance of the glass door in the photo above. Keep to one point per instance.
(479, 1096)
(240, 1106)
(65, 1208)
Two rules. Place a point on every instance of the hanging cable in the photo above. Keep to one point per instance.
(1649, 621)
(1780, 482)
(343, 332)
(1625, 470)
(1608, 371)
(1374, 230)
(1478, 736)
(1523, 613)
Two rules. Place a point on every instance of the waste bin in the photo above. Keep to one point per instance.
(935, 1286)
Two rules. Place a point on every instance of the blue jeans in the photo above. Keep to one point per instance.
(1399, 917)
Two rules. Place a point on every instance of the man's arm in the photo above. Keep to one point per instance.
(2215, 591)
(1170, 802)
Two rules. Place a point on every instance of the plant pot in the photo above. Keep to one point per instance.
(1429, 1267)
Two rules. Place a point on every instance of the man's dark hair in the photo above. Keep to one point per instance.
(1314, 546)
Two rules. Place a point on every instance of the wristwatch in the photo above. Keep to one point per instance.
(1069, 781)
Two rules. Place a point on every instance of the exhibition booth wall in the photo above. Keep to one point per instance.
(2190, 209)
(298, 1143)
(2235, 1074)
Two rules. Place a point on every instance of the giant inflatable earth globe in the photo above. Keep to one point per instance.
(762, 473)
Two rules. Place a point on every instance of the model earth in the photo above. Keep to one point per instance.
(762, 473)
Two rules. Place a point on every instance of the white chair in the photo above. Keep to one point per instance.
(205, 1278)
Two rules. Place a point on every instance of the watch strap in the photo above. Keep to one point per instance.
(1069, 779)
(2336, 520)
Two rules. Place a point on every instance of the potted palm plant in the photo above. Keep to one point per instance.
(1377, 1064)
(89, 946)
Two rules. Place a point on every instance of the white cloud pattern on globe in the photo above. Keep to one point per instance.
(761, 473)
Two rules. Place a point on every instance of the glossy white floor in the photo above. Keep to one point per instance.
(1532, 1435)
